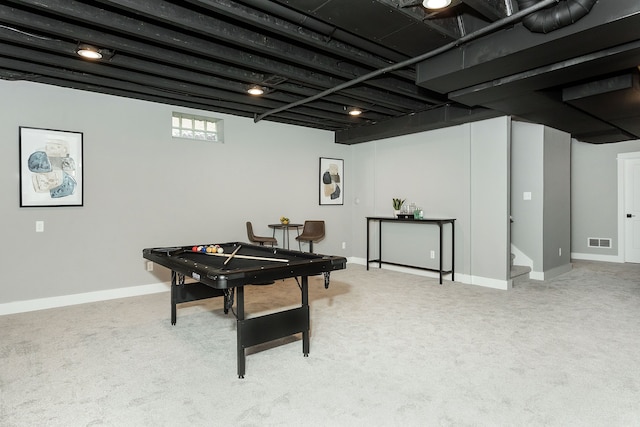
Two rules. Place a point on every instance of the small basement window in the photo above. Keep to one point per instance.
(188, 126)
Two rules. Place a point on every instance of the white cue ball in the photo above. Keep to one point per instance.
(220, 250)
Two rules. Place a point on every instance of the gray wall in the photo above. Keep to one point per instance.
(490, 193)
(459, 172)
(527, 175)
(594, 197)
(541, 228)
(430, 169)
(557, 202)
(144, 189)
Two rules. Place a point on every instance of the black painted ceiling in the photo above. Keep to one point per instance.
(409, 69)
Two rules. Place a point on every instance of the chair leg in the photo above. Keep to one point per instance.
(310, 246)
(299, 246)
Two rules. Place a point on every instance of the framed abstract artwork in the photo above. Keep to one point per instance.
(50, 168)
(331, 179)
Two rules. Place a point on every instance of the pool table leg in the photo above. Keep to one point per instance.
(239, 340)
(177, 279)
(305, 303)
(174, 283)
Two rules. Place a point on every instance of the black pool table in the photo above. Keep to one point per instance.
(225, 275)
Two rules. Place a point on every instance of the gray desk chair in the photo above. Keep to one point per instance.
(259, 239)
(312, 231)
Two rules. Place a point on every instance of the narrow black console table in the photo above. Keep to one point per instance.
(440, 222)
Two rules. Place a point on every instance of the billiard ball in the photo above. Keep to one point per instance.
(220, 250)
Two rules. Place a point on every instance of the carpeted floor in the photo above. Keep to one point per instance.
(387, 349)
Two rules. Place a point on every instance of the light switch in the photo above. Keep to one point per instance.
(526, 195)
(39, 226)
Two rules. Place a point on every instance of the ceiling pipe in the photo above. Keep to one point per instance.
(471, 36)
(553, 18)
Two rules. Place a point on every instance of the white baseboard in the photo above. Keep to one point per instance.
(490, 283)
(66, 300)
(536, 275)
(459, 277)
(550, 274)
(408, 270)
(74, 299)
(596, 257)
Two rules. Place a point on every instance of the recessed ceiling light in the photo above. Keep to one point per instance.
(89, 52)
(436, 4)
(255, 90)
(354, 111)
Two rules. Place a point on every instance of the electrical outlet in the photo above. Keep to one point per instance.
(433, 254)
(149, 265)
(39, 226)
(344, 245)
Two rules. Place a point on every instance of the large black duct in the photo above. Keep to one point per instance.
(566, 12)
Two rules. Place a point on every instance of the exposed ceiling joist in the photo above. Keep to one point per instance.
(204, 54)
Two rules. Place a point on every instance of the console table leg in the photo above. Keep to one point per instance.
(440, 255)
(368, 244)
(379, 244)
(453, 252)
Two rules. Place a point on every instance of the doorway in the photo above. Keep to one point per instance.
(629, 206)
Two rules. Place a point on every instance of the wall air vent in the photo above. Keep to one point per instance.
(597, 242)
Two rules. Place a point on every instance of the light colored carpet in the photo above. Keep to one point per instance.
(387, 349)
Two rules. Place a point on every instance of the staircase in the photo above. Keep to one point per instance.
(519, 272)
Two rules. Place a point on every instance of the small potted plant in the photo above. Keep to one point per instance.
(397, 205)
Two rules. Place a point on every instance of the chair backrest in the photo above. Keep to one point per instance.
(313, 230)
(250, 235)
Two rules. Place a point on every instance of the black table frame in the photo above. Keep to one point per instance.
(440, 222)
(253, 331)
(259, 329)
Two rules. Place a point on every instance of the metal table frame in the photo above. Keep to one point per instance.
(440, 222)
(285, 232)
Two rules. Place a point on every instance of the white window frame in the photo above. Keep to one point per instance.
(196, 128)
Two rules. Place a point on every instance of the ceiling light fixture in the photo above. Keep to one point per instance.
(436, 4)
(354, 111)
(91, 52)
(255, 90)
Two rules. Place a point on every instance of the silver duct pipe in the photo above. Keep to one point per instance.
(471, 36)
(566, 12)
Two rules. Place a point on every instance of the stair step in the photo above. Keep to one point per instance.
(519, 270)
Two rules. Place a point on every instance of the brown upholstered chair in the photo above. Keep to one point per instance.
(312, 231)
(259, 239)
